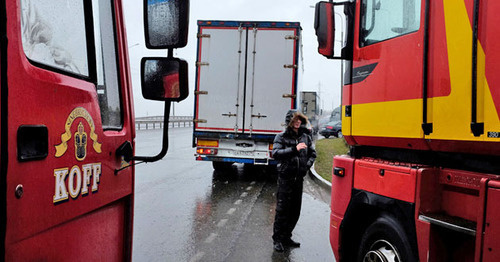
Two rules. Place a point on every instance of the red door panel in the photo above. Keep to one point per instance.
(72, 199)
(386, 89)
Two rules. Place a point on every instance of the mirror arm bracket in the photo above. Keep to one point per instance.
(164, 148)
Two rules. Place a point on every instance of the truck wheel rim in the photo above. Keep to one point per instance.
(382, 251)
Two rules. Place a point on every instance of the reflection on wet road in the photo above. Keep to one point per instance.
(186, 212)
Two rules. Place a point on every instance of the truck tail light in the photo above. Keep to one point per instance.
(206, 151)
(329, 127)
(271, 150)
(206, 147)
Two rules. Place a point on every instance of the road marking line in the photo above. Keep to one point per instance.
(197, 257)
(211, 238)
(249, 188)
(238, 202)
(244, 194)
(231, 211)
(222, 222)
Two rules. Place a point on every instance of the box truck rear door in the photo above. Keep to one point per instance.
(220, 79)
(271, 77)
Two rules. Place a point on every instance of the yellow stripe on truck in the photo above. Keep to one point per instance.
(401, 118)
(451, 115)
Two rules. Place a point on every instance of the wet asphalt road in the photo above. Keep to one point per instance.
(184, 211)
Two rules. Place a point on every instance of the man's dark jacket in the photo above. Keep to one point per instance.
(293, 163)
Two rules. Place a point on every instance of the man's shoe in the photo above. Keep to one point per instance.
(278, 246)
(291, 243)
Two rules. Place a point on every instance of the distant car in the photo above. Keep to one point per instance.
(332, 129)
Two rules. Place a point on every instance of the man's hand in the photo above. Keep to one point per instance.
(301, 146)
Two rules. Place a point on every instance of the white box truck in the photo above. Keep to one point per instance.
(246, 81)
(309, 106)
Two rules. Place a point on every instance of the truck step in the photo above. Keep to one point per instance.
(261, 162)
(450, 222)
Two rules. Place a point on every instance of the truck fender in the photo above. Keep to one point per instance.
(365, 208)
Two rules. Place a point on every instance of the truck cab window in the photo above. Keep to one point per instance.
(54, 37)
(53, 34)
(386, 19)
(108, 88)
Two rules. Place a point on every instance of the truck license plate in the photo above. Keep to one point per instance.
(243, 153)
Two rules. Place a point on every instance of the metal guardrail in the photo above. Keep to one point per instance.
(156, 122)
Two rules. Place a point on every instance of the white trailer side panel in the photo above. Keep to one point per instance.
(271, 75)
(220, 79)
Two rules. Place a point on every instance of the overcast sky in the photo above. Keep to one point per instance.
(320, 74)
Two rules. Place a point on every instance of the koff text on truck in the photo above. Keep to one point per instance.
(67, 123)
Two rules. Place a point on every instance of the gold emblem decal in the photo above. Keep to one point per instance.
(80, 143)
(80, 135)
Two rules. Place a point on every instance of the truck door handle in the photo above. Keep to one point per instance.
(229, 115)
(32, 142)
(201, 92)
(126, 151)
(259, 116)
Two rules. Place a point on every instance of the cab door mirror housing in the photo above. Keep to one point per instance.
(164, 79)
(324, 25)
(327, 30)
(166, 23)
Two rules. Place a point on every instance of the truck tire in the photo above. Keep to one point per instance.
(385, 240)
(326, 136)
(223, 167)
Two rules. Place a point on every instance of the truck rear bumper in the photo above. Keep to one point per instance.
(249, 150)
(237, 160)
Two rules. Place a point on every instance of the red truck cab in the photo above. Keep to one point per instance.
(67, 124)
(421, 113)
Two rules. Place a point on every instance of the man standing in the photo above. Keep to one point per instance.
(295, 153)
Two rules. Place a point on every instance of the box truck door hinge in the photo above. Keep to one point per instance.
(291, 37)
(229, 115)
(290, 66)
(201, 92)
(259, 116)
(289, 96)
(200, 120)
(203, 35)
(202, 64)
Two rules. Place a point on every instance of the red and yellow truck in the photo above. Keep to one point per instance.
(67, 123)
(421, 113)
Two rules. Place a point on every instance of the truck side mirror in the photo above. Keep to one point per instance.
(324, 25)
(164, 79)
(166, 23)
